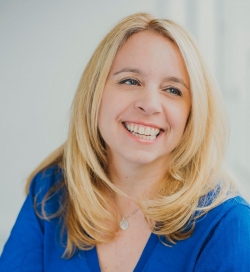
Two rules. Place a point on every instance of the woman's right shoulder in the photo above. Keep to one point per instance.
(46, 179)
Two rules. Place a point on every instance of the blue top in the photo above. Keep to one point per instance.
(220, 242)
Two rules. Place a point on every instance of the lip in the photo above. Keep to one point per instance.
(144, 124)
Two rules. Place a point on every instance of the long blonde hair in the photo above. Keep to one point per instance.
(196, 166)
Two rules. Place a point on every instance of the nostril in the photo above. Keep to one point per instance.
(141, 108)
(148, 106)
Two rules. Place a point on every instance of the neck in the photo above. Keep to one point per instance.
(135, 180)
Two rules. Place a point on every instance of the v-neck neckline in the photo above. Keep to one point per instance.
(93, 262)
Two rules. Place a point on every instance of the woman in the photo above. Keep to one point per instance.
(139, 184)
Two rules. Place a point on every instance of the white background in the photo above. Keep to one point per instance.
(44, 47)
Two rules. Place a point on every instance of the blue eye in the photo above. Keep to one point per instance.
(129, 81)
(174, 91)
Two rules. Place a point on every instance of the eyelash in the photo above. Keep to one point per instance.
(123, 81)
(176, 91)
(134, 82)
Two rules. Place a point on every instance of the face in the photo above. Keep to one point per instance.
(146, 101)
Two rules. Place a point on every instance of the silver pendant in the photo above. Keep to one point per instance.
(124, 224)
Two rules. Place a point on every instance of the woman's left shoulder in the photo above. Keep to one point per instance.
(236, 207)
(235, 216)
(226, 237)
(238, 201)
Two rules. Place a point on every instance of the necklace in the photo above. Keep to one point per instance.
(124, 222)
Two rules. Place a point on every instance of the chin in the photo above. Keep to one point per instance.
(144, 159)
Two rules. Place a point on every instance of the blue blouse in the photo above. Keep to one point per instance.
(220, 241)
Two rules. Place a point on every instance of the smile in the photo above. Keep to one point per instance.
(142, 132)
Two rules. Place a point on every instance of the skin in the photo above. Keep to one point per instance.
(148, 85)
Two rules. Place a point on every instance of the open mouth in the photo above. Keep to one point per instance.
(142, 132)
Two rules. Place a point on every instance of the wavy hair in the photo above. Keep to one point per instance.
(196, 169)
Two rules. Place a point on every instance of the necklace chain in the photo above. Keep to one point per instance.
(135, 211)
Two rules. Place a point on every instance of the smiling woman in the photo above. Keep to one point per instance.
(140, 96)
(140, 183)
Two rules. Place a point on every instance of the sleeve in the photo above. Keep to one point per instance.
(24, 248)
(227, 249)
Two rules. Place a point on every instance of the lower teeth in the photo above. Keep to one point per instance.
(144, 137)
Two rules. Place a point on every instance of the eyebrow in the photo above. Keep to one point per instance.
(128, 69)
(177, 80)
(137, 71)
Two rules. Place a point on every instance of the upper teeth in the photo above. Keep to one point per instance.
(143, 130)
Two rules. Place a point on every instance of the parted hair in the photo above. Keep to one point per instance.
(196, 169)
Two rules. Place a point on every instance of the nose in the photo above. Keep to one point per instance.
(148, 102)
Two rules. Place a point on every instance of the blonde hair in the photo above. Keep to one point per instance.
(196, 166)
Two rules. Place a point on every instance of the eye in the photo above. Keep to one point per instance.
(173, 91)
(129, 81)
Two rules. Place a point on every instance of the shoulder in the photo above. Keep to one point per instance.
(47, 190)
(32, 237)
(226, 236)
(220, 242)
(232, 219)
(46, 179)
(235, 208)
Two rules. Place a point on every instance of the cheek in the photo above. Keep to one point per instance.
(114, 103)
(109, 110)
(179, 117)
(106, 104)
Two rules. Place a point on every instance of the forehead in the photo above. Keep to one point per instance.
(152, 54)
(140, 43)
